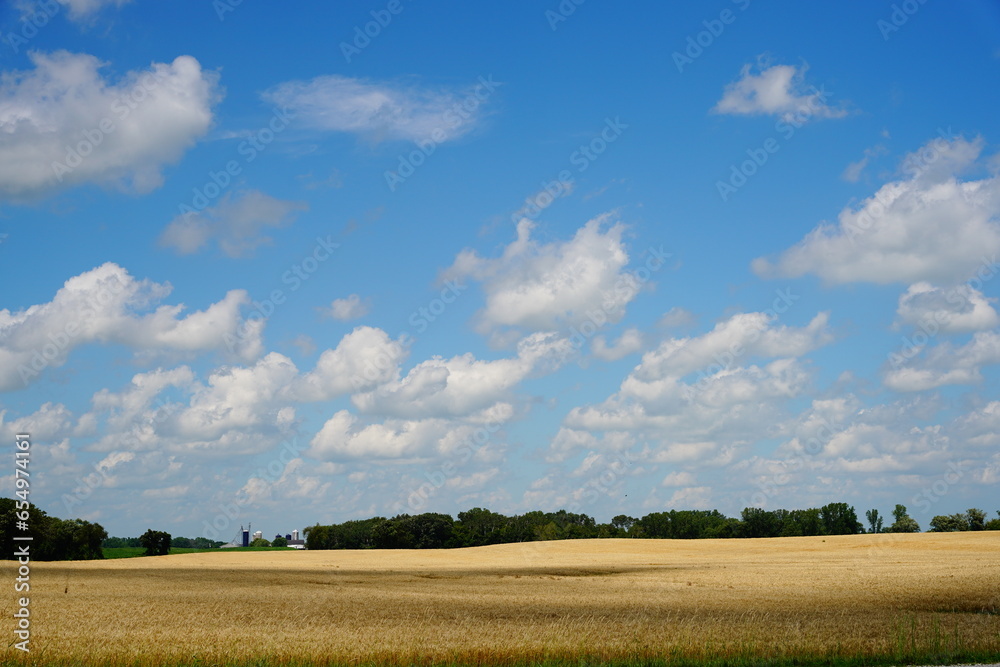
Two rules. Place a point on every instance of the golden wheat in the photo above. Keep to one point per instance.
(845, 595)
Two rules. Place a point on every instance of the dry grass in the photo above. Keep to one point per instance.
(863, 595)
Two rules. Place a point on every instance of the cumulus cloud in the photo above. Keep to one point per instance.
(958, 309)
(838, 445)
(776, 91)
(435, 408)
(240, 410)
(345, 436)
(118, 134)
(676, 318)
(544, 287)
(695, 497)
(237, 410)
(742, 336)
(930, 227)
(630, 342)
(364, 359)
(348, 308)
(945, 364)
(678, 478)
(463, 385)
(107, 305)
(699, 398)
(236, 224)
(382, 111)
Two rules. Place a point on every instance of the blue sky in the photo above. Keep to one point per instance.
(297, 266)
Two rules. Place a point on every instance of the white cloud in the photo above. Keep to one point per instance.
(776, 91)
(437, 406)
(50, 423)
(695, 497)
(840, 446)
(345, 436)
(930, 227)
(364, 359)
(678, 479)
(463, 385)
(236, 223)
(545, 287)
(852, 172)
(239, 410)
(107, 305)
(630, 342)
(381, 111)
(541, 200)
(947, 364)
(742, 336)
(676, 317)
(349, 308)
(79, 10)
(119, 134)
(134, 405)
(957, 309)
(706, 417)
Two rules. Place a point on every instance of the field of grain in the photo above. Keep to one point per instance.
(850, 596)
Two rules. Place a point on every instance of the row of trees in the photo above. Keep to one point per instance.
(175, 542)
(478, 527)
(971, 519)
(52, 538)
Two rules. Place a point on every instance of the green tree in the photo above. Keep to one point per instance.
(547, 531)
(259, 542)
(840, 519)
(975, 518)
(623, 522)
(477, 527)
(155, 542)
(903, 522)
(758, 522)
(874, 521)
(948, 523)
(279, 541)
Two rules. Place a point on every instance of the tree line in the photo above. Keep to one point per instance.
(480, 527)
(52, 538)
(175, 542)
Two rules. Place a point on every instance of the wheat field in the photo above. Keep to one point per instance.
(611, 599)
